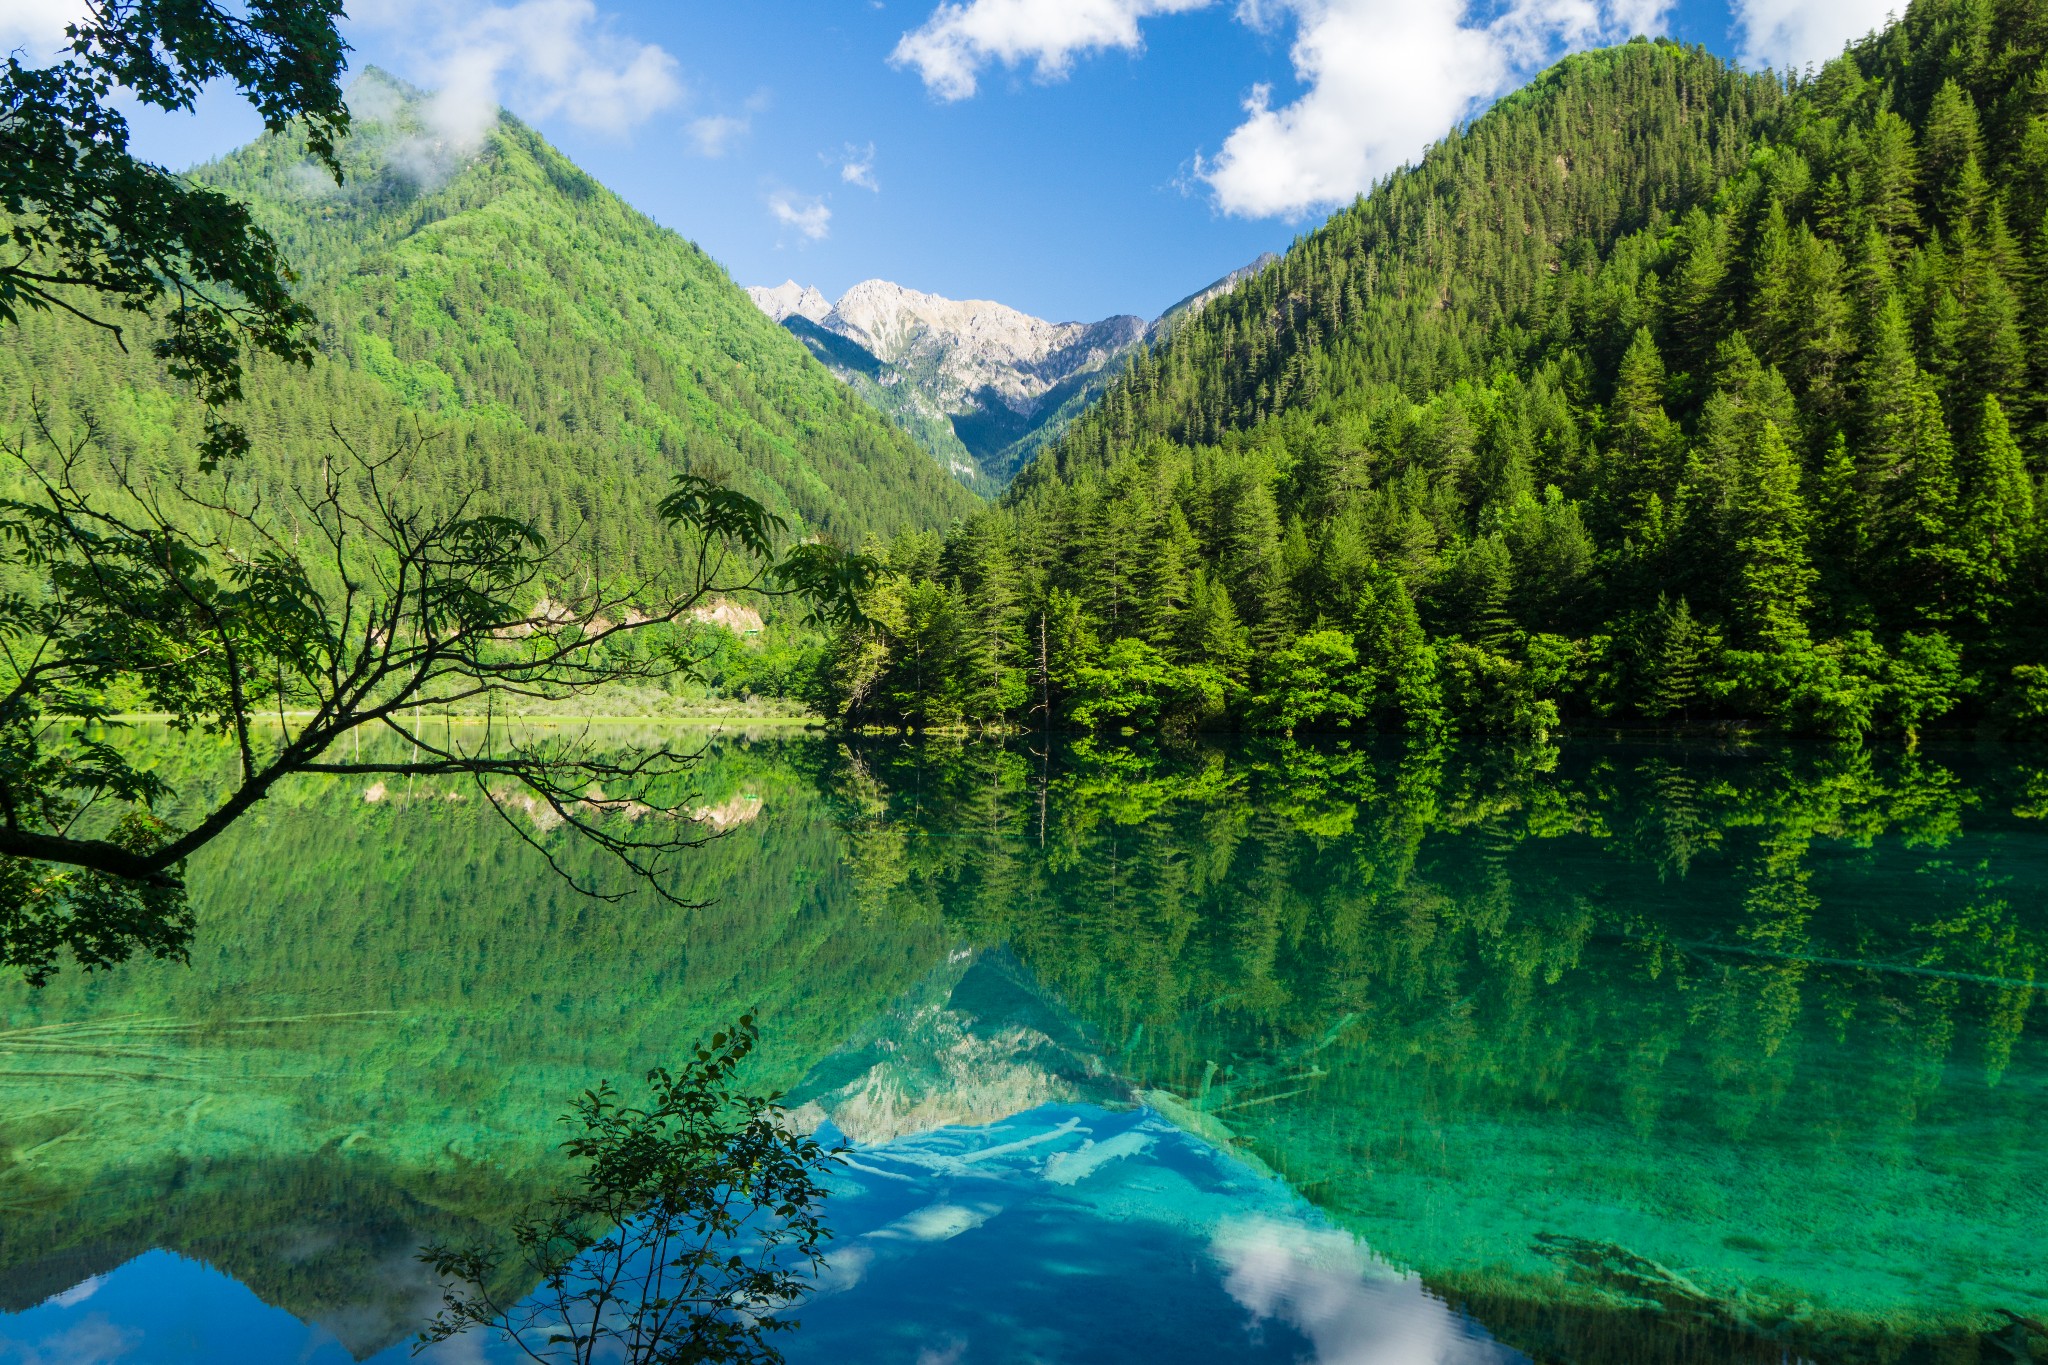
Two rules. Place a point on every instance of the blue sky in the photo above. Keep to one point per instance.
(1073, 158)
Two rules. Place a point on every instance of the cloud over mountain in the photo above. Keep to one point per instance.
(540, 57)
(1386, 78)
(1794, 32)
(1382, 79)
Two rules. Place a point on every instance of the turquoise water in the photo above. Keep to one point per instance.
(1067, 1233)
(1596, 1053)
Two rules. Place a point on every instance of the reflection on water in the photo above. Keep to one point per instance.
(1621, 1053)
(1066, 1233)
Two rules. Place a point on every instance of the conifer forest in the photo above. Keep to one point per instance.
(1023, 682)
(1662, 395)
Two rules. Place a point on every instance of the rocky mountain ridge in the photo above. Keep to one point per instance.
(980, 384)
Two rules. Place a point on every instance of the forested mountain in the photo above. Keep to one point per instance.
(1663, 392)
(565, 355)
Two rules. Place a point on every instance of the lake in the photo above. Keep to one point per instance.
(1601, 1052)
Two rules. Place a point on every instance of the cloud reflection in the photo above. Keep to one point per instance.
(92, 1342)
(1354, 1308)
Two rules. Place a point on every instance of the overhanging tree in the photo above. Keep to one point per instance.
(89, 227)
(288, 618)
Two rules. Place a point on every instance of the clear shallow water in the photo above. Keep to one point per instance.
(1629, 1053)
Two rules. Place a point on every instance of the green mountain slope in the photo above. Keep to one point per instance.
(1411, 284)
(1661, 393)
(569, 354)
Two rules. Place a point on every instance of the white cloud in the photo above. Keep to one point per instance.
(858, 167)
(36, 27)
(950, 48)
(714, 133)
(1385, 79)
(541, 57)
(808, 216)
(1785, 33)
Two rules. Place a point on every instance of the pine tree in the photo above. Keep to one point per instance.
(1211, 632)
(2030, 158)
(1951, 145)
(2035, 439)
(1641, 437)
(1992, 339)
(1890, 175)
(1479, 586)
(1169, 560)
(990, 674)
(1928, 567)
(1824, 326)
(1996, 512)
(1673, 661)
(1967, 199)
(1391, 642)
(1776, 577)
(1841, 530)
(1775, 304)
(1888, 385)
(1698, 298)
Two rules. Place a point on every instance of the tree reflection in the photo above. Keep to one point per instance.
(1747, 1017)
(693, 1222)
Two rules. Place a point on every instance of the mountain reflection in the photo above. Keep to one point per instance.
(1631, 1052)
(1734, 1046)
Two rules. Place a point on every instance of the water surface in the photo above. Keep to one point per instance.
(1604, 1052)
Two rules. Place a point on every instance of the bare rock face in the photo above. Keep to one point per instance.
(790, 299)
(968, 351)
(980, 384)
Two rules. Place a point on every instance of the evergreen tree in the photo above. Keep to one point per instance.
(1392, 644)
(1674, 661)
(1951, 146)
(1210, 632)
(1929, 565)
(1992, 340)
(1699, 290)
(1841, 531)
(1477, 591)
(1889, 387)
(1641, 436)
(1169, 560)
(2036, 398)
(1776, 575)
(990, 675)
(1775, 302)
(1890, 175)
(1996, 512)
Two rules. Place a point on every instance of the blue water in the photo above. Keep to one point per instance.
(1068, 1233)
(1613, 1053)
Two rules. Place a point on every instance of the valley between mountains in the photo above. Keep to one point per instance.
(1471, 792)
(981, 385)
